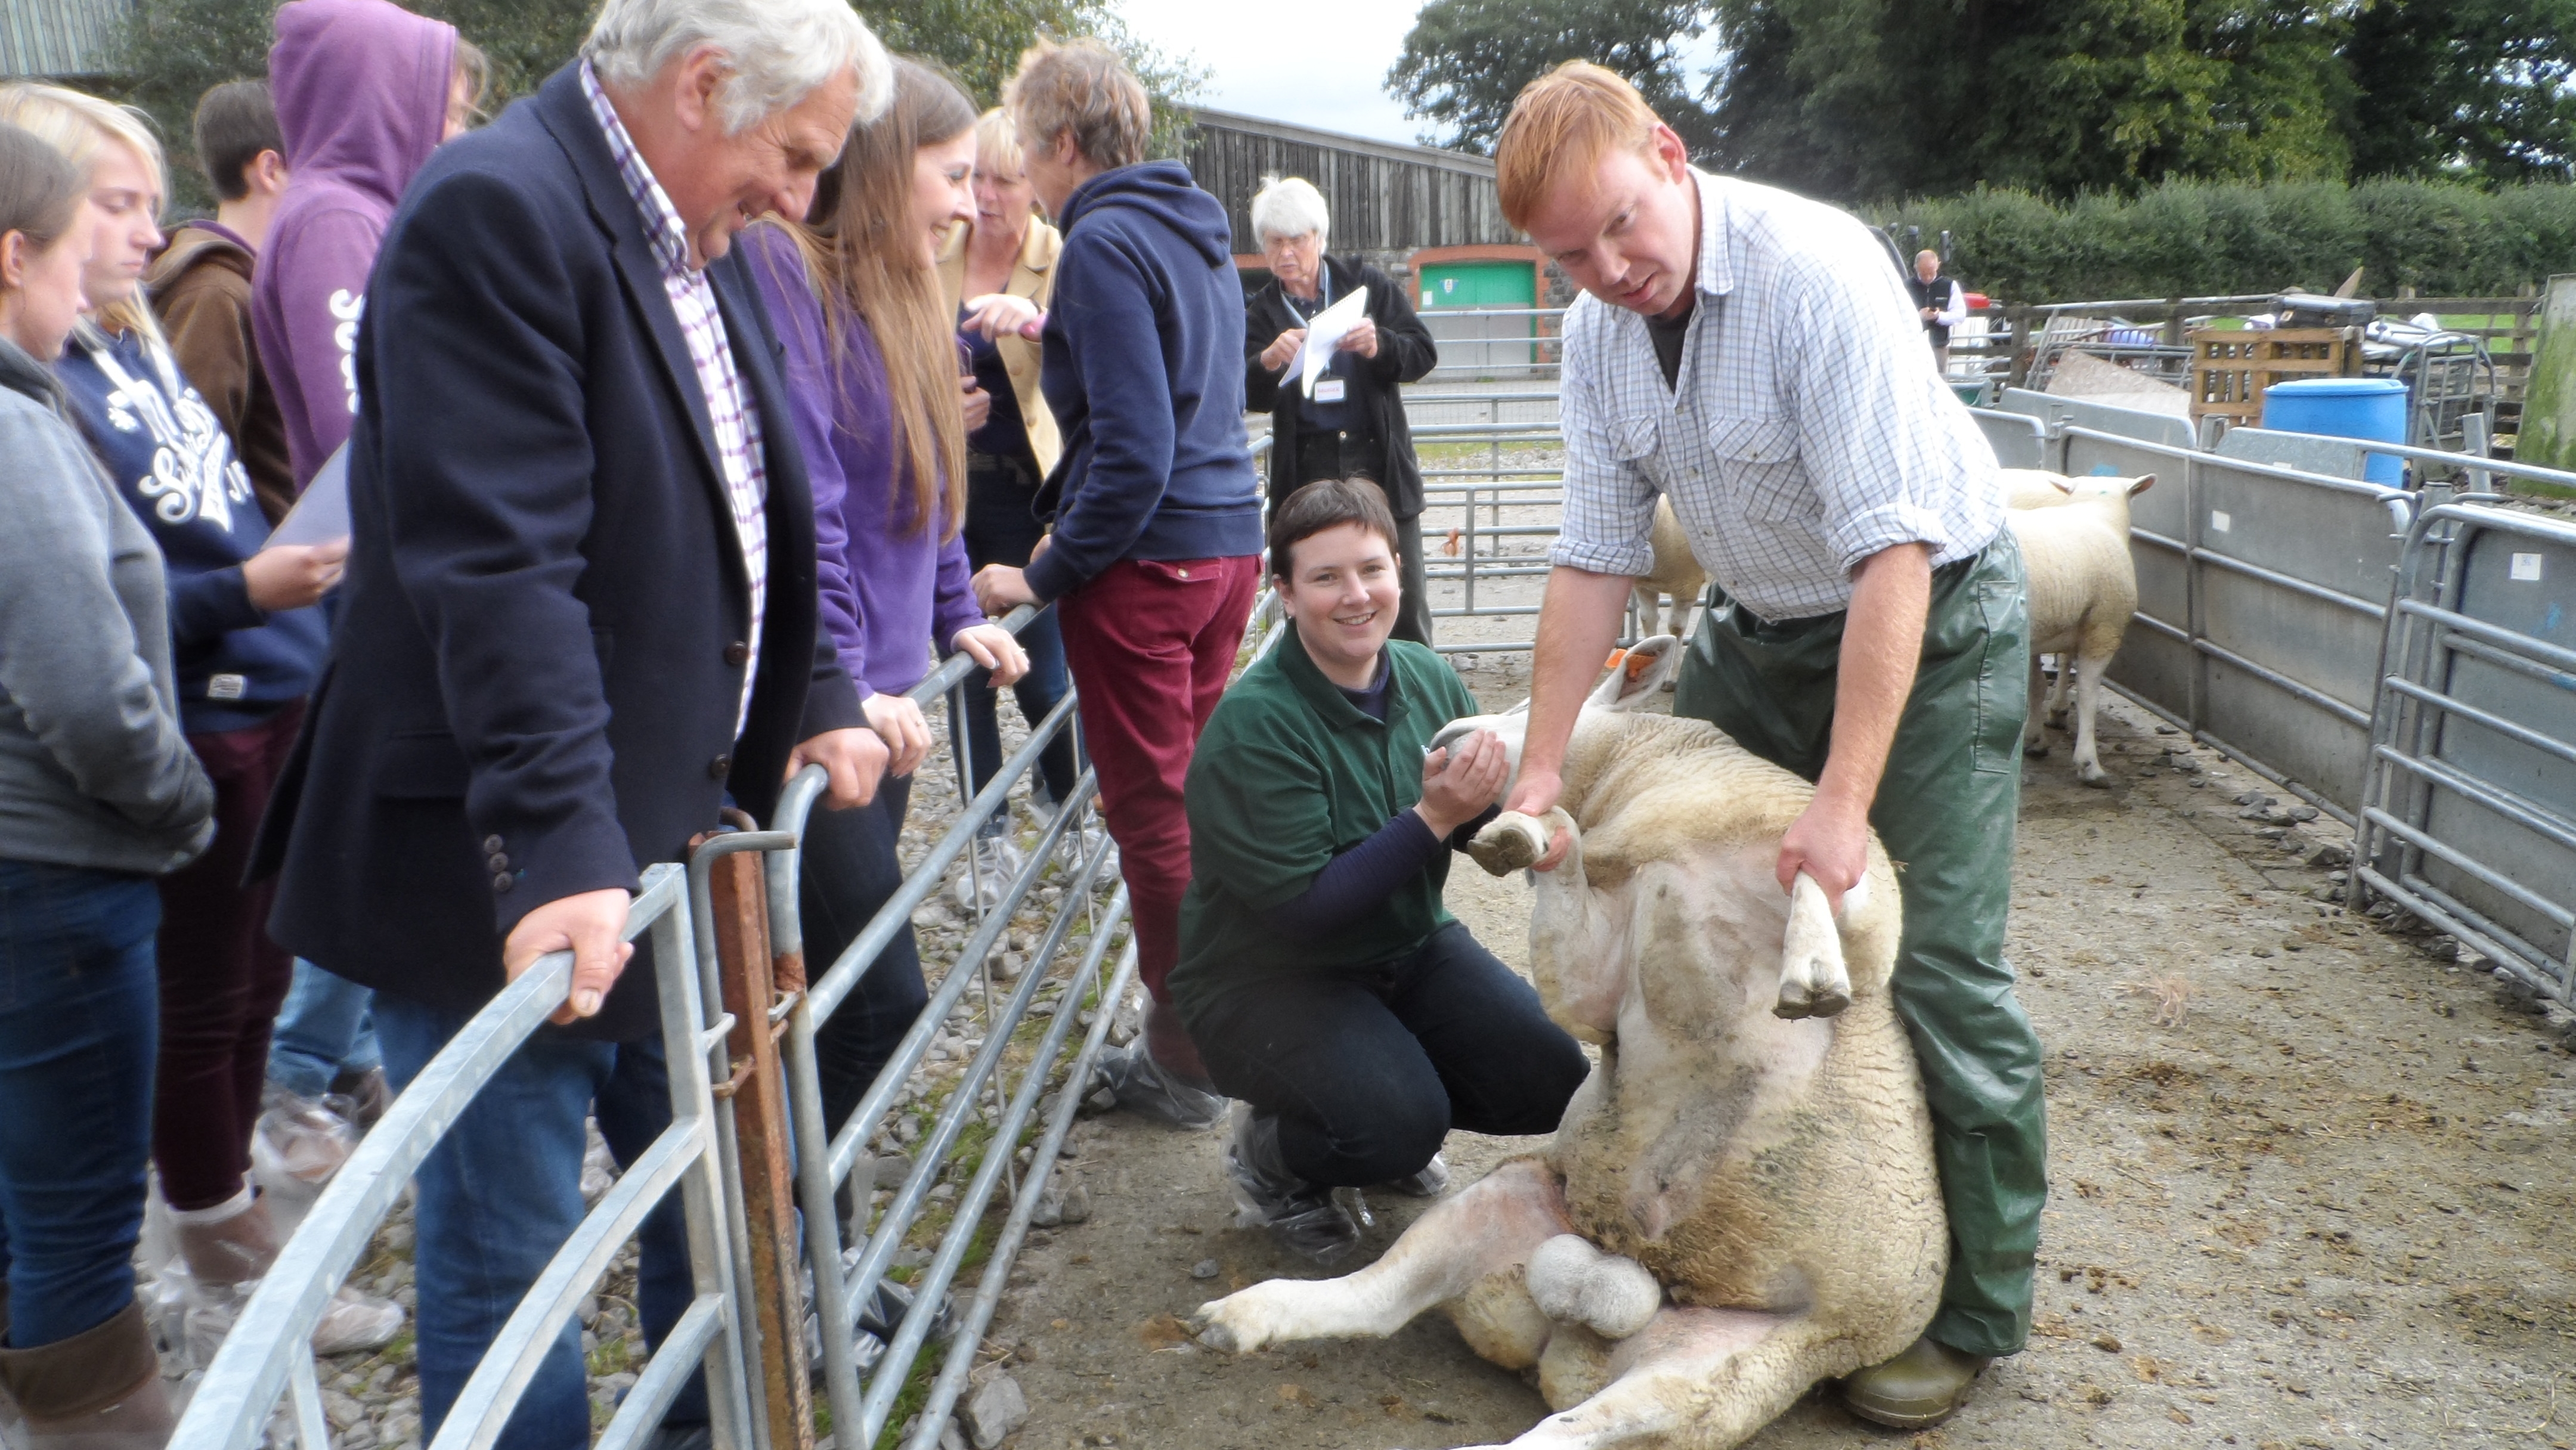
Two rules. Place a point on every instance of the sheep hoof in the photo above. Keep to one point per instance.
(2034, 748)
(2096, 777)
(1511, 842)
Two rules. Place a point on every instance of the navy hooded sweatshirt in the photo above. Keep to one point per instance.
(176, 471)
(1143, 367)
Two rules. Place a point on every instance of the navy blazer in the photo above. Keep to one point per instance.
(540, 646)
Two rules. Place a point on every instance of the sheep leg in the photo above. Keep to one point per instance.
(2034, 730)
(1490, 1228)
(1650, 609)
(2088, 694)
(1813, 980)
(2057, 689)
(1692, 1377)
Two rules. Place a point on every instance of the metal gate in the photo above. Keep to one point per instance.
(269, 1351)
(2470, 816)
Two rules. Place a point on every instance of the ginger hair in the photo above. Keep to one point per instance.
(1561, 125)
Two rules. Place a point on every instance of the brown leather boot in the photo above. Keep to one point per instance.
(98, 1390)
(1921, 1387)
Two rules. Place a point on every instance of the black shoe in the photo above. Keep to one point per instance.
(1302, 1216)
(1149, 1089)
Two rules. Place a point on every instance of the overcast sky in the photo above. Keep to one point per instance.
(1328, 70)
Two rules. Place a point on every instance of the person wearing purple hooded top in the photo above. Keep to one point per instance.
(364, 91)
(881, 411)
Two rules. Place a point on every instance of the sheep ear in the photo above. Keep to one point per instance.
(1638, 672)
(2145, 482)
(2062, 483)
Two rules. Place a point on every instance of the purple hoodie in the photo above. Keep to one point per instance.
(362, 89)
(889, 592)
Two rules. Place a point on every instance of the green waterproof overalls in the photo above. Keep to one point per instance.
(1945, 812)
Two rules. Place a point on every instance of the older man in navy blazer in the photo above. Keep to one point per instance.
(580, 612)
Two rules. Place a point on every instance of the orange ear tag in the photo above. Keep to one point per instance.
(1638, 665)
(1616, 656)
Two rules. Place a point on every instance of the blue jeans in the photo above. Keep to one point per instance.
(500, 1194)
(79, 1019)
(322, 1032)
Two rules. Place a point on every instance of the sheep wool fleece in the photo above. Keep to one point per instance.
(1945, 808)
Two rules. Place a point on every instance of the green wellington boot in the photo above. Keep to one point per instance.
(1921, 1387)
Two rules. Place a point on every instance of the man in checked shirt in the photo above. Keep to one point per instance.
(1750, 355)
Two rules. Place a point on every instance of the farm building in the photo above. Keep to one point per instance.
(57, 40)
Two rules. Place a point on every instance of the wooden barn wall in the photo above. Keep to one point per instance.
(1378, 203)
(57, 38)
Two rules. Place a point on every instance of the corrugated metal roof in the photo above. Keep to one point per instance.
(58, 38)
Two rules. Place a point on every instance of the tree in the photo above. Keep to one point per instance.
(2481, 88)
(1872, 98)
(172, 51)
(1465, 60)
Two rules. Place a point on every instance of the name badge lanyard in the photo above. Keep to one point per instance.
(1327, 389)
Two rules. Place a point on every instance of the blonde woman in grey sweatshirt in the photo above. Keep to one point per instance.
(98, 794)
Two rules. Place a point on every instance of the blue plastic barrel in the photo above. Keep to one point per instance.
(2372, 408)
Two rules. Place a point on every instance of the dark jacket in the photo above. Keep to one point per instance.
(200, 287)
(1139, 368)
(1405, 352)
(539, 651)
(160, 443)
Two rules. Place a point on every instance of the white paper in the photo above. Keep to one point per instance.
(321, 516)
(1325, 332)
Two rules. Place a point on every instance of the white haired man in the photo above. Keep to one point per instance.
(580, 615)
(1353, 425)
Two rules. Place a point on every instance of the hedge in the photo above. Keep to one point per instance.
(2205, 239)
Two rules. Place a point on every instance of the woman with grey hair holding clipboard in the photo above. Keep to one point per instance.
(1350, 422)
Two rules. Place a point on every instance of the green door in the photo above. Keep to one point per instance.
(1487, 345)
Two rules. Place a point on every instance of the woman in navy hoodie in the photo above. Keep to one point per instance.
(1156, 552)
(248, 646)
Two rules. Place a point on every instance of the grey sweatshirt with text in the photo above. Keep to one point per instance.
(93, 768)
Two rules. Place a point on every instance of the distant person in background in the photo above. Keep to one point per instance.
(1156, 550)
(1940, 302)
(102, 796)
(996, 275)
(200, 284)
(365, 91)
(1353, 426)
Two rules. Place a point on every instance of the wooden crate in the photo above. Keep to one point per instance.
(2231, 367)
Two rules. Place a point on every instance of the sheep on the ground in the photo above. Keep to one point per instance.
(1676, 572)
(1741, 1200)
(2083, 588)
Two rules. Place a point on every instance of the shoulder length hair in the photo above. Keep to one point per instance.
(80, 126)
(866, 262)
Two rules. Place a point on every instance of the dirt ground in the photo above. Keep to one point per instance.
(2307, 1181)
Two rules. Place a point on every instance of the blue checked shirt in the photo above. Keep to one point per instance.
(736, 423)
(1807, 431)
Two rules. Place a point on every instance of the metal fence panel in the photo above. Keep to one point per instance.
(2471, 821)
(2019, 440)
(269, 1351)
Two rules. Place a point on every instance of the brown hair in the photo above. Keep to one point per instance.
(235, 122)
(476, 68)
(1561, 125)
(40, 189)
(860, 252)
(1324, 504)
(1081, 87)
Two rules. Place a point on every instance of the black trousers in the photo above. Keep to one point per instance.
(1000, 530)
(850, 869)
(1346, 455)
(1367, 1072)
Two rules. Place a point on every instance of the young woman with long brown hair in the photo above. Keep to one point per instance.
(881, 413)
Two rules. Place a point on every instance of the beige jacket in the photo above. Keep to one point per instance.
(1033, 277)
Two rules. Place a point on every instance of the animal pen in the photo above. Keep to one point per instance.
(2400, 660)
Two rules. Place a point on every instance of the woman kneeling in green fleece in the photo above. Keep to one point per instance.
(1322, 980)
